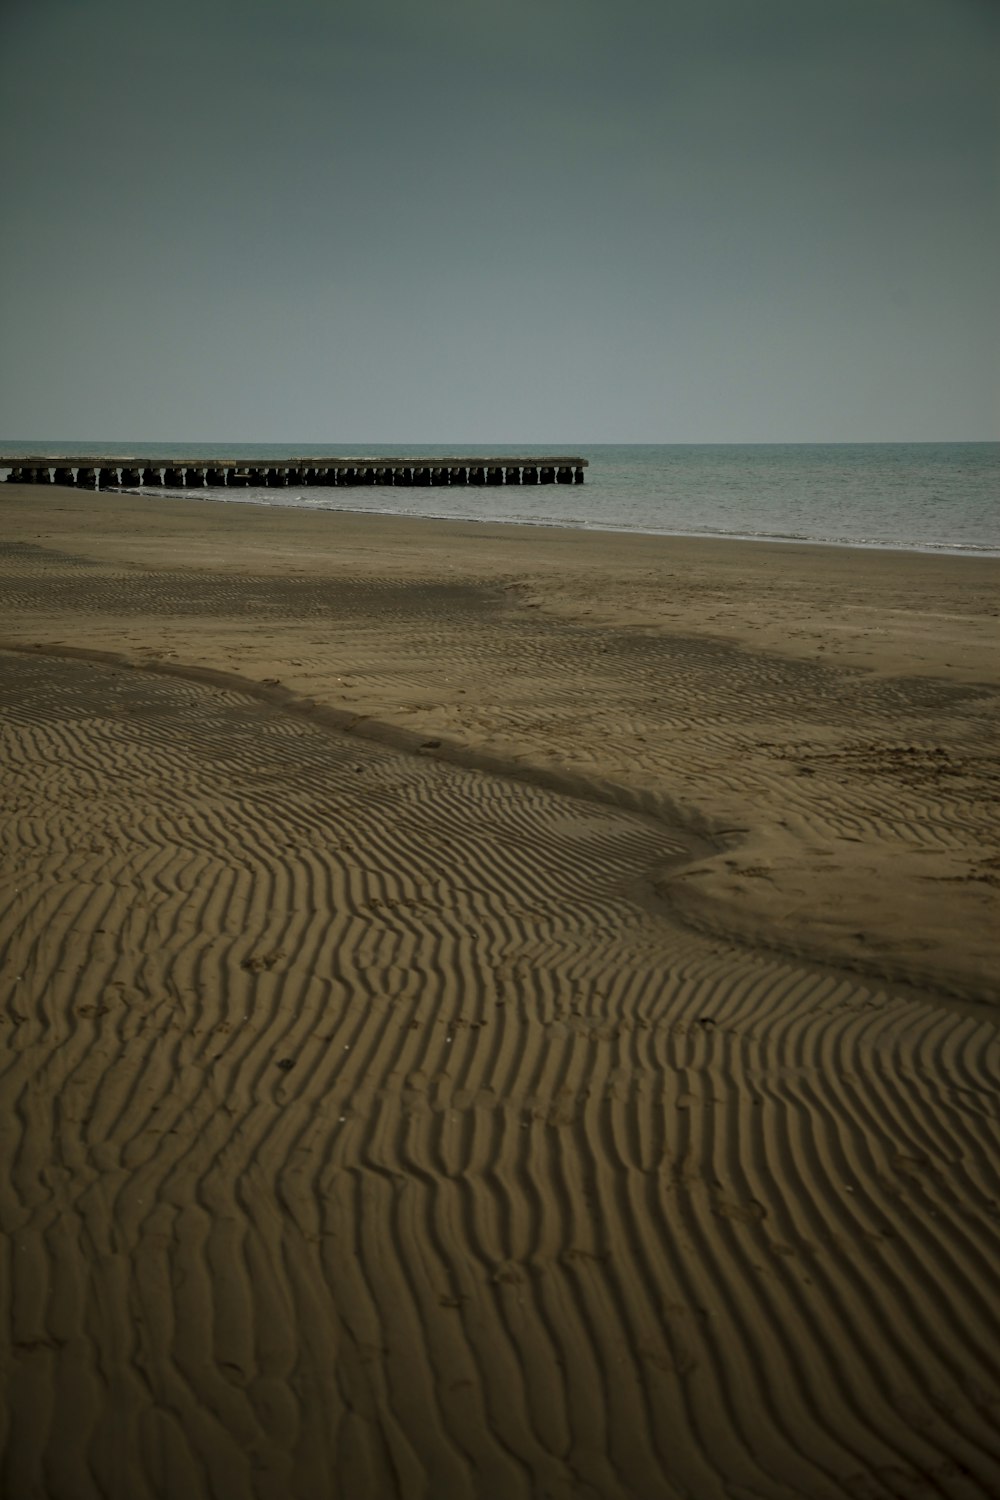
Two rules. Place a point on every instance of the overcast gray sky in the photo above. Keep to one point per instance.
(562, 221)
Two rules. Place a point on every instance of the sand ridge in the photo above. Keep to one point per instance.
(867, 798)
(376, 1123)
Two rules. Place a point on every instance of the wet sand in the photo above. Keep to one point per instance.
(494, 1012)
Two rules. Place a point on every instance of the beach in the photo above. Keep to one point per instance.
(494, 1010)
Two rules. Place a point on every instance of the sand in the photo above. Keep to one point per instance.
(492, 1011)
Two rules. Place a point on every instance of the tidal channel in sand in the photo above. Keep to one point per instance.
(493, 1014)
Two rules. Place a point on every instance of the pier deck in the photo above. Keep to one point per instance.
(107, 471)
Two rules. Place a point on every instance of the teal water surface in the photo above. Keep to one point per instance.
(926, 496)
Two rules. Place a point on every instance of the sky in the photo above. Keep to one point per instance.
(540, 221)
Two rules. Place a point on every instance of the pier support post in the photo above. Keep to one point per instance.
(178, 473)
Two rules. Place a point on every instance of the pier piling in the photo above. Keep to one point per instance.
(104, 471)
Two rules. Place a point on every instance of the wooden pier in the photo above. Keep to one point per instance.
(91, 471)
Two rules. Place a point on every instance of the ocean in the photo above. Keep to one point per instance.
(940, 497)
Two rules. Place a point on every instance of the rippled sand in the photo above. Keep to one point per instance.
(493, 1014)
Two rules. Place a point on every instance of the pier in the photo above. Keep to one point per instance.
(90, 471)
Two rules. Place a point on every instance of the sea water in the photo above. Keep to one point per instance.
(912, 496)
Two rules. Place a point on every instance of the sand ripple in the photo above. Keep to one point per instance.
(369, 1128)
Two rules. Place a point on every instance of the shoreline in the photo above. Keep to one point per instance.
(941, 549)
(921, 497)
(888, 610)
